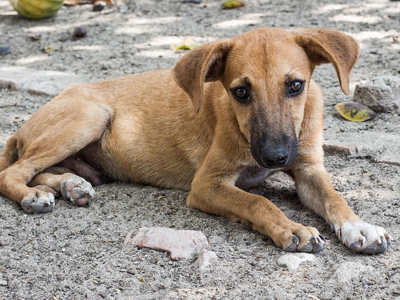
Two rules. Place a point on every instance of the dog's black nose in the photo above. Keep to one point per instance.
(274, 153)
(277, 161)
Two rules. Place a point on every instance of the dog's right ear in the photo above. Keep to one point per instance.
(202, 64)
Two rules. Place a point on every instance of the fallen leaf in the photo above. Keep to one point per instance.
(50, 49)
(142, 280)
(187, 44)
(160, 197)
(232, 4)
(354, 111)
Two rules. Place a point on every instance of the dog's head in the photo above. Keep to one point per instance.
(266, 73)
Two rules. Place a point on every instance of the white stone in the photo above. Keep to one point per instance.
(293, 261)
(348, 270)
(181, 244)
(206, 259)
(381, 94)
(39, 82)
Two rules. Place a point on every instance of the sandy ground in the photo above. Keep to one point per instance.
(78, 253)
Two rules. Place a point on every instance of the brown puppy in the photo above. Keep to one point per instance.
(256, 111)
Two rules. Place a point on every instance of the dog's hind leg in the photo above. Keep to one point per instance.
(55, 132)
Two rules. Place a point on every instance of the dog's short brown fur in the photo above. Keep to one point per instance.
(227, 115)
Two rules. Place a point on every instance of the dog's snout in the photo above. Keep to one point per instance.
(272, 153)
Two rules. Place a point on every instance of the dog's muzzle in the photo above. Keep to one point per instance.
(275, 154)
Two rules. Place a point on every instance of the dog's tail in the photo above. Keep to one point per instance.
(9, 154)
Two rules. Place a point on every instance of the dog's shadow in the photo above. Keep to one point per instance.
(279, 188)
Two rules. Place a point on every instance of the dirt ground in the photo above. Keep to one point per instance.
(78, 253)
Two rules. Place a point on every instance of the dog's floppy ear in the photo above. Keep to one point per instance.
(328, 45)
(202, 64)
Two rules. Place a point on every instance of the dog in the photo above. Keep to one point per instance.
(225, 117)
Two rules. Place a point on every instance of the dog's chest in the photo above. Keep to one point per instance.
(253, 176)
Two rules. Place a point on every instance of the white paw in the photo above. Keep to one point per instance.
(363, 237)
(41, 203)
(77, 190)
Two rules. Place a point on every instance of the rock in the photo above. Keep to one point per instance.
(382, 94)
(36, 82)
(79, 32)
(4, 50)
(348, 271)
(181, 244)
(380, 147)
(293, 261)
(99, 5)
(344, 149)
(206, 259)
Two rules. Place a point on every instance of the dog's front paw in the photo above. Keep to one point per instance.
(40, 203)
(77, 190)
(363, 237)
(305, 239)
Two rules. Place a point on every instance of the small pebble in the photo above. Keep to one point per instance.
(206, 259)
(36, 37)
(80, 32)
(4, 50)
(99, 5)
(293, 261)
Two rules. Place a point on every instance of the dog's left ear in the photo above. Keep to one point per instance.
(328, 45)
(202, 64)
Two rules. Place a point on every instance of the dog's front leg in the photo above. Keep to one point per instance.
(316, 191)
(213, 191)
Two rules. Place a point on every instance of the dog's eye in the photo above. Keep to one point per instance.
(295, 87)
(241, 94)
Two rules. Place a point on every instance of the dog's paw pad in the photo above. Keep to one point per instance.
(363, 237)
(39, 204)
(77, 190)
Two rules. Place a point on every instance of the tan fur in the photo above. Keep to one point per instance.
(182, 128)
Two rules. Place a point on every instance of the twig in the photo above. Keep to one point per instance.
(110, 241)
(14, 105)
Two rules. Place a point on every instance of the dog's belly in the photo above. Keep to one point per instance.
(253, 176)
(162, 156)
